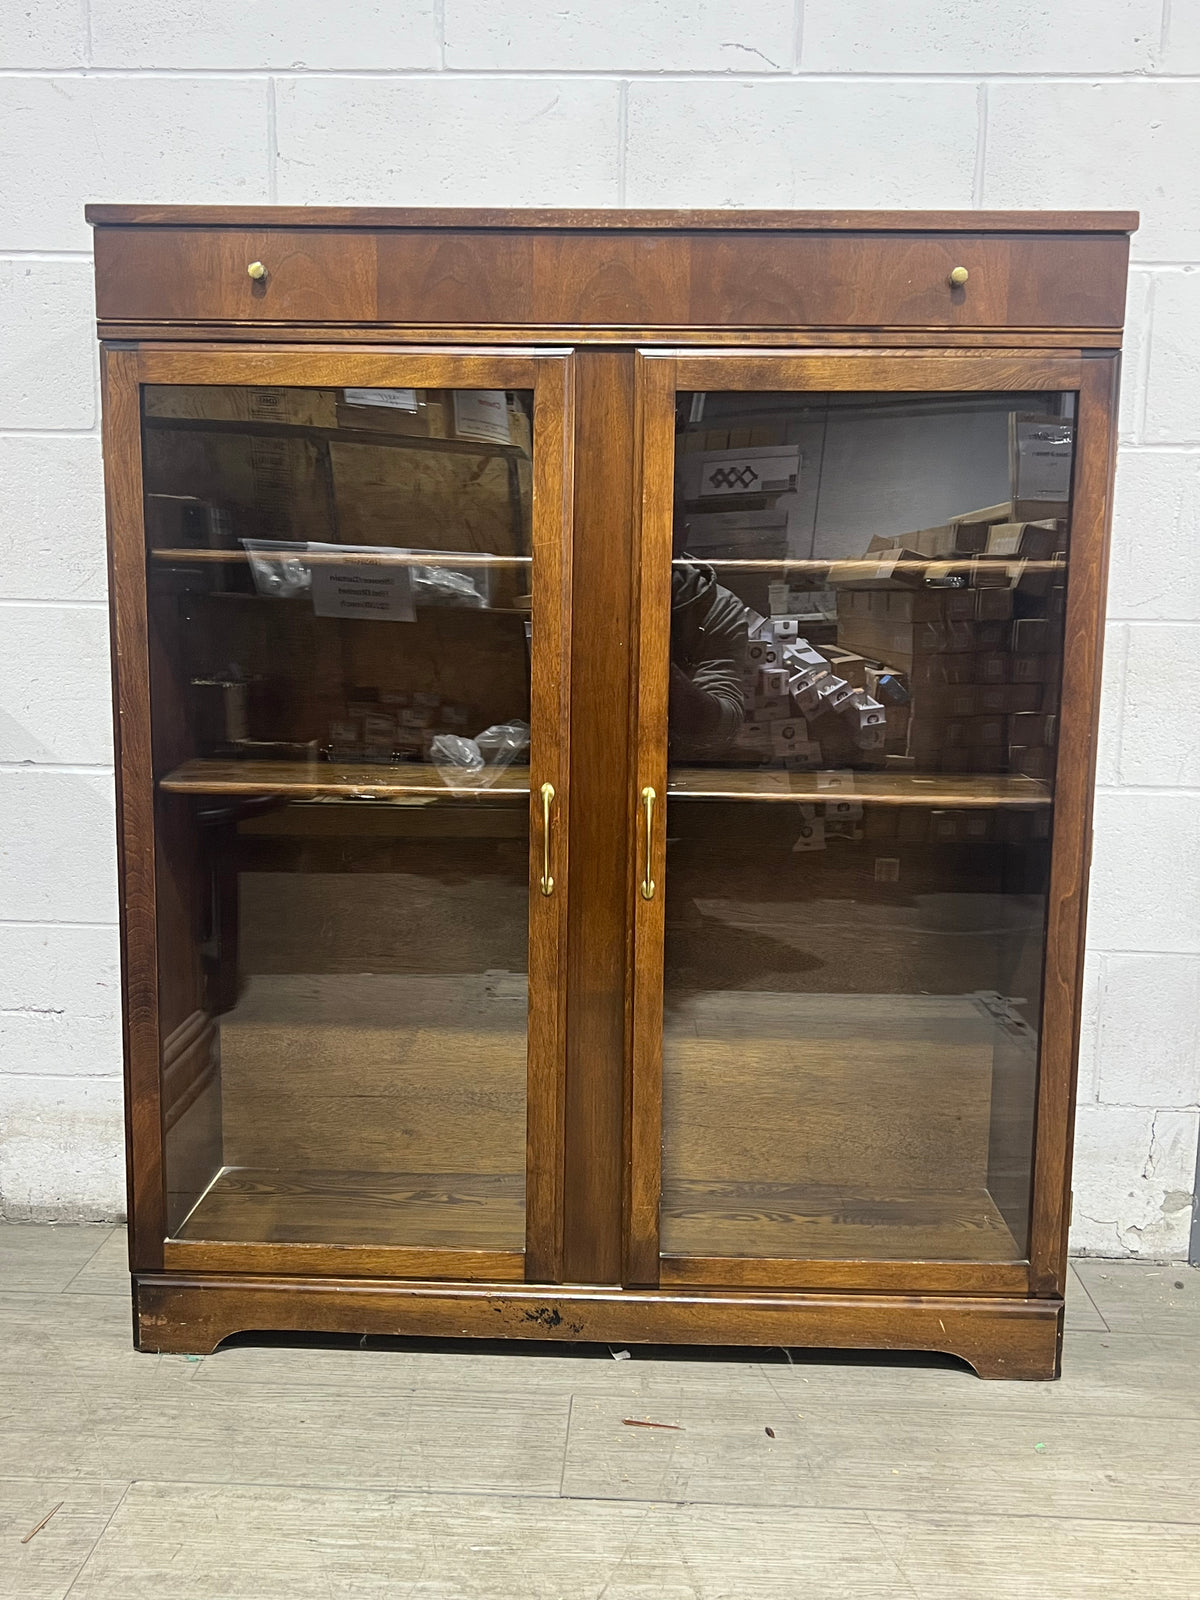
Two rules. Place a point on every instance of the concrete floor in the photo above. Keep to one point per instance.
(279, 1472)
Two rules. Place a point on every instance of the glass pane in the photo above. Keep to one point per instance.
(866, 642)
(339, 586)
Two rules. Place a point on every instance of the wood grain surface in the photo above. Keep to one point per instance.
(440, 217)
(764, 301)
(1091, 513)
(1000, 1337)
(183, 334)
(213, 775)
(598, 917)
(135, 804)
(874, 788)
(736, 276)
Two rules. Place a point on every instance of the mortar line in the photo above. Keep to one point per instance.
(981, 109)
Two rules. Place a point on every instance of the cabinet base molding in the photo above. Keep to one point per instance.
(999, 1338)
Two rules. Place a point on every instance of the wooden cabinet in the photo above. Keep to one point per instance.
(605, 708)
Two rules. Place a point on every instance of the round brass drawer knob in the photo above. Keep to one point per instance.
(257, 271)
(959, 276)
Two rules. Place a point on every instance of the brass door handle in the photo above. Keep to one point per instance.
(547, 792)
(648, 799)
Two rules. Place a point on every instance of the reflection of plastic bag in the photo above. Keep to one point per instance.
(458, 760)
(502, 743)
(450, 586)
(282, 571)
(478, 762)
(278, 566)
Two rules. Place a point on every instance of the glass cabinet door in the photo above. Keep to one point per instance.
(855, 580)
(356, 584)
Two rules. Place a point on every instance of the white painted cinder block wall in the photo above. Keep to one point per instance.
(841, 103)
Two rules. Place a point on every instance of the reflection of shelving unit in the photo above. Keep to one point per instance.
(875, 788)
(864, 569)
(351, 780)
(307, 430)
(316, 558)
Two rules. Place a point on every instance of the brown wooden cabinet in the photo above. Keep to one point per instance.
(605, 712)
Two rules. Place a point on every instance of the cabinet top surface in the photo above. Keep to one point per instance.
(588, 220)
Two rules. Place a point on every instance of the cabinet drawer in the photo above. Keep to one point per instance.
(903, 280)
(636, 278)
(201, 275)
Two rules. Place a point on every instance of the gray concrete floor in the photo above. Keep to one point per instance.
(280, 1472)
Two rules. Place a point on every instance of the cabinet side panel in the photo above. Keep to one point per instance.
(1091, 512)
(135, 802)
(598, 922)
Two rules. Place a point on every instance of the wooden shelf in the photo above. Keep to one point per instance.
(458, 1210)
(390, 558)
(350, 780)
(875, 788)
(865, 567)
(832, 1222)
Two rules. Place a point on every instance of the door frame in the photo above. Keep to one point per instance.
(1093, 376)
(548, 372)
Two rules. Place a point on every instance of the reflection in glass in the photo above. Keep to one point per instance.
(339, 591)
(867, 615)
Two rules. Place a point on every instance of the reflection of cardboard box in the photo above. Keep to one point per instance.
(1034, 728)
(989, 574)
(267, 485)
(1033, 668)
(753, 470)
(912, 824)
(1002, 698)
(403, 413)
(886, 684)
(934, 671)
(1032, 761)
(1023, 827)
(806, 690)
(786, 732)
(951, 700)
(1033, 541)
(737, 534)
(898, 567)
(1033, 635)
(833, 693)
(761, 653)
(848, 665)
(753, 736)
(880, 822)
(991, 605)
(993, 667)
(957, 538)
(991, 635)
(945, 827)
(314, 408)
(811, 835)
(805, 756)
(1022, 510)
(864, 711)
(970, 537)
